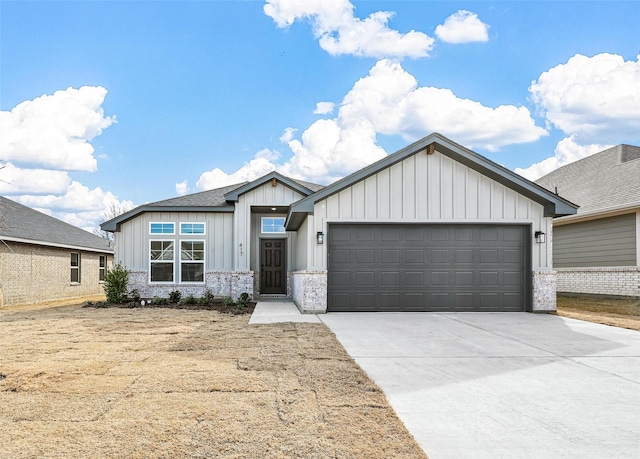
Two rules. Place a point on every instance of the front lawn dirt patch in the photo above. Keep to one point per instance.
(220, 306)
(618, 312)
(162, 382)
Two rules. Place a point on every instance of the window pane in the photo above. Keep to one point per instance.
(162, 228)
(103, 261)
(75, 275)
(75, 259)
(192, 250)
(192, 228)
(161, 250)
(161, 272)
(273, 225)
(192, 272)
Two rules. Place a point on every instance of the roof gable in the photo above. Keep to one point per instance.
(233, 195)
(22, 224)
(553, 204)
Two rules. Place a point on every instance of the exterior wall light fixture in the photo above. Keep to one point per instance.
(320, 237)
(541, 238)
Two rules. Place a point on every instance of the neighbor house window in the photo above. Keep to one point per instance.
(273, 225)
(191, 261)
(102, 269)
(161, 259)
(162, 228)
(75, 267)
(191, 228)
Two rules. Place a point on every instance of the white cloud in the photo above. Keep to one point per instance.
(77, 205)
(390, 99)
(270, 155)
(54, 131)
(340, 32)
(252, 170)
(566, 152)
(182, 188)
(387, 101)
(595, 98)
(324, 108)
(15, 180)
(463, 27)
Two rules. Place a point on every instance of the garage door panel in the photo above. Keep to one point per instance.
(427, 267)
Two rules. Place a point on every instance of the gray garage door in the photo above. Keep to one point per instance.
(427, 267)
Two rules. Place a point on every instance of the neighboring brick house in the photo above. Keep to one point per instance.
(44, 259)
(597, 251)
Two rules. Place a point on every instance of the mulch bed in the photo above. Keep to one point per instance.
(219, 306)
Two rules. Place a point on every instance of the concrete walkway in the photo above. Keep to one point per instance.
(499, 385)
(272, 312)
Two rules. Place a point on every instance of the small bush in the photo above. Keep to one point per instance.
(174, 297)
(208, 297)
(116, 280)
(228, 301)
(159, 300)
(190, 300)
(134, 295)
(243, 301)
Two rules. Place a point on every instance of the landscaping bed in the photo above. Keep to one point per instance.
(618, 312)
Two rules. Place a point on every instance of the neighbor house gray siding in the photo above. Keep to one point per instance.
(596, 243)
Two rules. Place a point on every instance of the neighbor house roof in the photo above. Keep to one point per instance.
(601, 182)
(217, 200)
(20, 223)
(554, 205)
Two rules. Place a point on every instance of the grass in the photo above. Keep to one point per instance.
(161, 382)
(618, 312)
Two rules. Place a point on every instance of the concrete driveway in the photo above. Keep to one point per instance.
(511, 385)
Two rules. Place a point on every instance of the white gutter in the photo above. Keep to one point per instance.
(54, 244)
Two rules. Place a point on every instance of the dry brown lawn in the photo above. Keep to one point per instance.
(618, 312)
(85, 382)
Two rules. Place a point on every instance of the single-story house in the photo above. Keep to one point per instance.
(432, 227)
(597, 250)
(44, 259)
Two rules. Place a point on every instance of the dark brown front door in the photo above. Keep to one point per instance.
(273, 270)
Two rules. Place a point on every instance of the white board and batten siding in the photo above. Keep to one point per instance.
(264, 195)
(431, 189)
(132, 243)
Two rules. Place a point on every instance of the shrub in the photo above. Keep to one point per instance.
(243, 301)
(174, 297)
(134, 295)
(208, 297)
(116, 280)
(190, 300)
(159, 300)
(228, 301)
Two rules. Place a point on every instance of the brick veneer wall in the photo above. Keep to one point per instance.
(32, 273)
(220, 283)
(544, 291)
(310, 290)
(622, 281)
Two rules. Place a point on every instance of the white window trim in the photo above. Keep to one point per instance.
(162, 261)
(204, 224)
(162, 223)
(79, 268)
(275, 232)
(203, 262)
(104, 269)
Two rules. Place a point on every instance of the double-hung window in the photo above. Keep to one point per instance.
(161, 261)
(102, 268)
(75, 267)
(191, 261)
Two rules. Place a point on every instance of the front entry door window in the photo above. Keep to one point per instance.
(273, 270)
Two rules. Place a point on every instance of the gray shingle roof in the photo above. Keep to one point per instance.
(21, 223)
(601, 181)
(210, 200)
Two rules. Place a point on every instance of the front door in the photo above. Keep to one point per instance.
(273, 269)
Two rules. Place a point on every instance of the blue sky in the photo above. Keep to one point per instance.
(124, 102)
